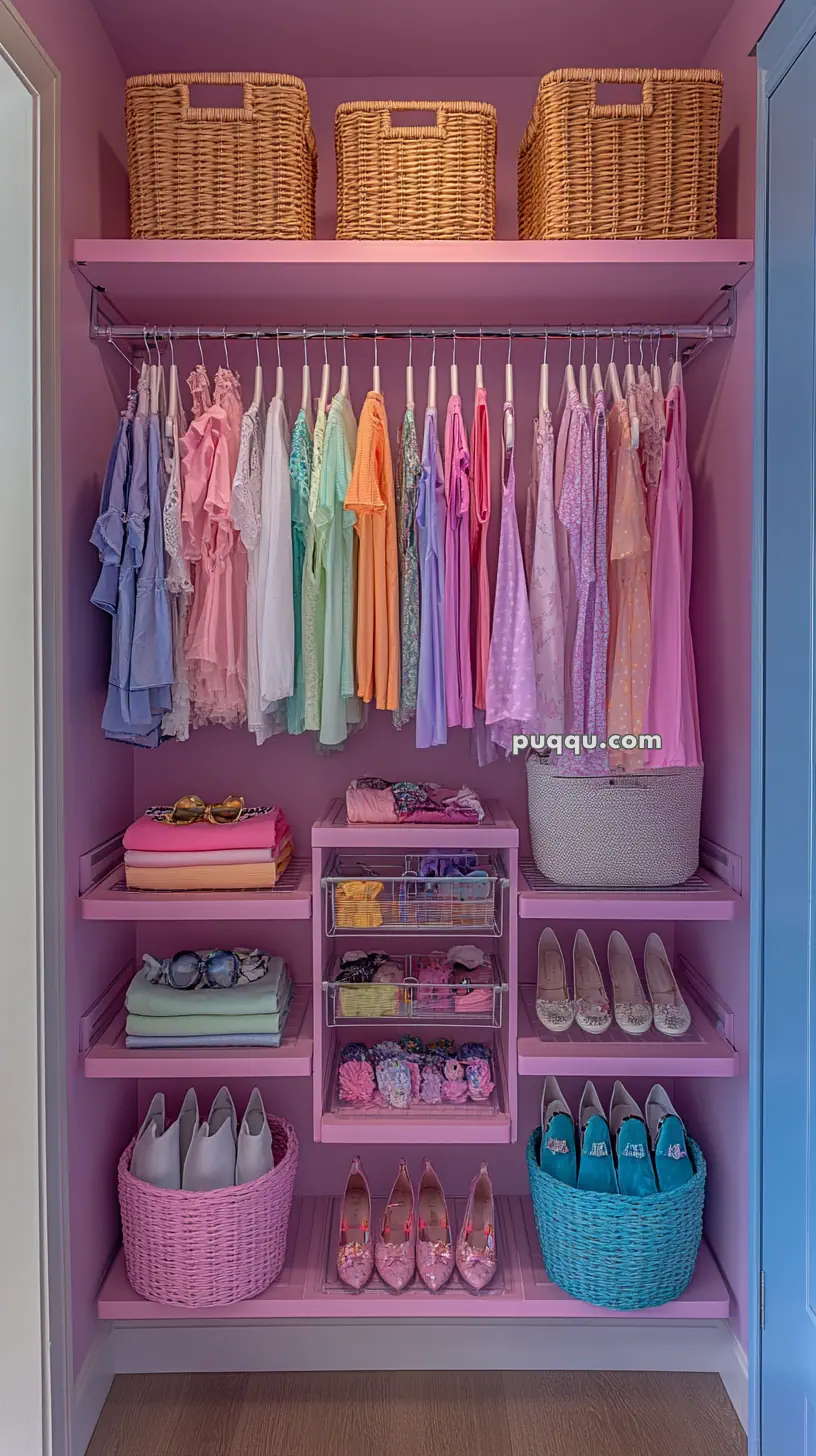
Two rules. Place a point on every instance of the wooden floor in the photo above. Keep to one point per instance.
(418, 1414)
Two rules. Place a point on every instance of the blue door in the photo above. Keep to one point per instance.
(784, 1353)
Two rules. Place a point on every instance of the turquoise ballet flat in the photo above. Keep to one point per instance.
(630, 1139)
(559, 1155)
(673, 1165)
(596, 1165)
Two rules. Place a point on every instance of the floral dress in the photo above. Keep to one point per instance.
(409, 466)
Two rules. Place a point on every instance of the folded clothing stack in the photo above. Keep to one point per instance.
(378, 801)
(248, 854)
(238, 998)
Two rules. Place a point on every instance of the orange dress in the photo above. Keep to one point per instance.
(371, 496)
(629, 658)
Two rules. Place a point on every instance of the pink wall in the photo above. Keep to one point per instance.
(721, 393)
(98, 777)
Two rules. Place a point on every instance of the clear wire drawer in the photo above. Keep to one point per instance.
(423, 1003)
(430, 892)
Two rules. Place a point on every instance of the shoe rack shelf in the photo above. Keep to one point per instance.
(110, 899)
(110, 1058)
(702, 897)
(483, 1124)
(307, 1290)
(701, 1052)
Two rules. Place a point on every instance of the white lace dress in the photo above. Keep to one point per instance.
(276, 611)
(246, 517)
(176, 723)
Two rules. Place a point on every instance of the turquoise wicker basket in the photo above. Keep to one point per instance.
(616, 1252)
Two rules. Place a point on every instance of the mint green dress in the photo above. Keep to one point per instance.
(300, 471)
(314, 584)
(340, 706)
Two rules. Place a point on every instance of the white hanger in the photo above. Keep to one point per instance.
(432, 376)
(200, 350)
(158, 399)
(613, 385)
(278, 370)
(583, 376)
(325, 378)
(479, 369)
(508, 393)
(409, 374)
(677, 366)
(454, 370)
(344, 372)
(375, 373)
(131, 366)
(147, 369)
(629, 383)
(657, 381)
(173, 398)
(641, 367)
(257, 397)
(306, 386)
(544, 381)
(597, 376)
(226, 350)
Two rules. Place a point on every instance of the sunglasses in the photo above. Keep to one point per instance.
(218, 969)
(192, 810)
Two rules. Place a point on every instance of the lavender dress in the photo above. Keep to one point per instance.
(511, 683)
(431, 717)
(458, 676)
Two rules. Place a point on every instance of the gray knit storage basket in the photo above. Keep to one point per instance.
(613, 1251)
(621, 831)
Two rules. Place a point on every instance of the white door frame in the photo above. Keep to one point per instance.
(36, 1386)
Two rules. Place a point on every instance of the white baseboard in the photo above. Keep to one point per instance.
(144, 1348)
(91, 1390)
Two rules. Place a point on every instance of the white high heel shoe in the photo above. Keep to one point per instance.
(255, 1155)
(210, 1161)
(592, 1011)
(632, 1011)
(155, 1158)
(554, 1008)
(671, 1014)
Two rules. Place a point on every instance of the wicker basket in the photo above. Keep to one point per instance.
(220, 172)
(624, 830)
(416, 181)
(205, 1249)
(614, 1251)
(646, 170)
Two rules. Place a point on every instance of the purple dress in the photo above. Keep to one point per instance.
(596, 637)
(511, 685)
(431, 718)
(576, 511)
(458, 674)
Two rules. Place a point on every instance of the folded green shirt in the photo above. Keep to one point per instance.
(248, 998)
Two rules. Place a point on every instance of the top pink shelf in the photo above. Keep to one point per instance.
(333, 283)
(333, 831)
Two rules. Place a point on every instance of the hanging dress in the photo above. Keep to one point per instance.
(629, 615)
(339, 706)
(409, 466)
(479, 520)
(511, 685)
(275, 607)
(652, 435)
(247, 496)
(371, 496)
(576, 512)
(546, 609)
(672, 708)
(596, 637)
(151, 663)
(313, 596)
(108, 534)
(431, 715)
(300, 470)
(176, 723)
(458, 676)
(216, 632)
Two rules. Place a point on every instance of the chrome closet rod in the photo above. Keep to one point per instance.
(149, 332)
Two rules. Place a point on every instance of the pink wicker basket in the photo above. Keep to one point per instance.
(204, 1249)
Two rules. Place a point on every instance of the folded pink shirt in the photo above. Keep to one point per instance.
(263, 831)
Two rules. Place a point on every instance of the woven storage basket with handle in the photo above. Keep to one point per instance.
(435, 181)
(624, 830)
(613, 1251)
(203, 1249)
(644, 169)
(220, 172)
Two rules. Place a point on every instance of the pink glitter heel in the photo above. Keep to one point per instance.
(476, 1245)
(355, 1251)
(395, 1250)
(434, 1248)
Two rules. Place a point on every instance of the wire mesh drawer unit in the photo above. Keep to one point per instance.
(457, 890)
(422, 1002)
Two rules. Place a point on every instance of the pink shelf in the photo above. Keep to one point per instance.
(703, 897)
(331, 282)
(497, 831)
(702, 1052)
(111, 900)
(306, 1289)
(109, 1057)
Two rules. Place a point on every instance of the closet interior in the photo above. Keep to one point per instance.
(403, 318)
